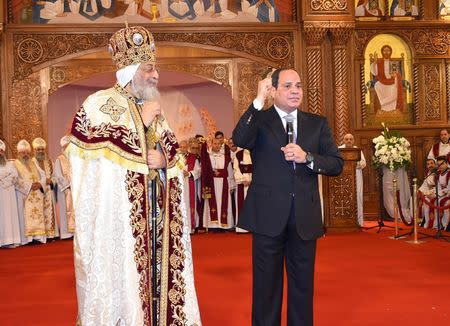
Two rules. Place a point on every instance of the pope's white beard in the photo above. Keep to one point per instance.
(2, 160)
(145, 91)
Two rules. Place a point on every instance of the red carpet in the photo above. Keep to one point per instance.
(362, 278)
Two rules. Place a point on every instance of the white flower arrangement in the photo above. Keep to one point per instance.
(391, 150)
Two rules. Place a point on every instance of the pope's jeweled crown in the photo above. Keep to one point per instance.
(132, 45)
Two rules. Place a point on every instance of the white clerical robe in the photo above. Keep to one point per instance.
(443, 191)
(218, 163)
(112, 239)
(360, 165)
(61, 175)
(9, 215)
(52, 226)
(30, 203)
(194, 174)
(428, 189)
(239, 178)
(444, 149)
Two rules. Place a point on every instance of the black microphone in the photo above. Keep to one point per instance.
(289, 129)
(434, 170)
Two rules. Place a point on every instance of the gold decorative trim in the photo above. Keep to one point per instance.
(112, 109)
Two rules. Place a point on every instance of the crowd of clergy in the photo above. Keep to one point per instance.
(217, 176)
(36, 201)
(434, 193)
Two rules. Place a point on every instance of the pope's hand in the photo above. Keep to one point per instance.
(149, 111)
(155, 159)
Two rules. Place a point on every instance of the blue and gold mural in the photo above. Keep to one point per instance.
(147, 11)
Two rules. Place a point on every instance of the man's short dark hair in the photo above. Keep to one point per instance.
(441, 158)
(218, 133)
(276, 76)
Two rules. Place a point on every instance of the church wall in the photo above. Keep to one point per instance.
(327, 46)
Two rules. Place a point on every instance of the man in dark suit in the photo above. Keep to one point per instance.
(282, 207)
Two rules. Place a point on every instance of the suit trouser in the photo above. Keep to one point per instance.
(269, 255)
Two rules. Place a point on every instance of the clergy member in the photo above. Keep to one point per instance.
(46, 166)
(61, 175)
(9, 215)
(427, 195)
(30, 197)
(441, 148)
(349, 142)
(443, 188)
(120, 142)
(217, 182)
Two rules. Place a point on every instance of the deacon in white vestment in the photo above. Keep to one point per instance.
(61, 175)
(428, 191)
(443, 188)
(9, 215)
(217, 213)
(442, 148)
(30, 197)
(46, 166)
(120, 141)
(349, 142)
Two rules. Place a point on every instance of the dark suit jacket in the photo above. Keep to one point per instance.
(274, 180)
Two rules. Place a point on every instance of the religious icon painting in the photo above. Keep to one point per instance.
(444, 9)
(403, 9)
(388, 81)
(367, 10)
(151, 11)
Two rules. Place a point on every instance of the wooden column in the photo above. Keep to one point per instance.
(341, 78)
(342, 189)
(314, 33)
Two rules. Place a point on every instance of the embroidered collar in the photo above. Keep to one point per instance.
(122, 91)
